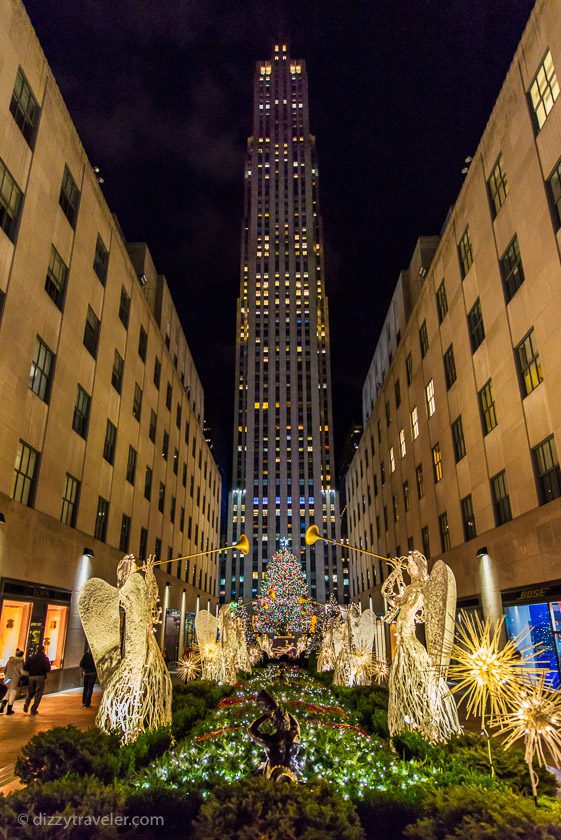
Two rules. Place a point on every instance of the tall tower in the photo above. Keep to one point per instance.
(283, 472)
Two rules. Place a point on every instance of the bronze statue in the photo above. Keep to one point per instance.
(278, 733)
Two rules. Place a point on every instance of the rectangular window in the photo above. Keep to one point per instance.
(70, 501)
(487, 408)
(444, 532)
(458, 441)
(409, 369)
(402, 447)
(420, 481)
(117, 372)
(465, 253)
(395, 509)
(184, 475)
(91, 332)
(397, 390)
(57, 276)
(81, 412)
(152, 426)
(497, 186)
(131, 465)
(385, 518)
(423, 339)
(101, 260)
(157, 372)
(178, 416)
(406, 499)
(425, 540)
(148, 483)
(415, 423)
(24, 480)
(161, 497)
(69, 197)
(125, 534)
(175, 461)
(182, 519)
(392, 460)
(165, 445)
(382, 473)
(168, 396)
(388, 413)
(468, 518)
(528, 364)
(441, 302)
(501, 501)
(42, 369)
(475, 326)
(110, 441)
(24, 108)
(124, 308)
(101, 519)
(547, 470)
(449, 367)
(137, 402)
(544, 90)
(436, 463)
(172, 510)
(10, 202)
(429, 394)
(142, 343)
(512, 271)
(143, 545)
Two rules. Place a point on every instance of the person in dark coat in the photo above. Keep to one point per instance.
(87, 665)
(37, 666)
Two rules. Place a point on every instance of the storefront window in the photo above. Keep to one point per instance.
(55, 633)
(14, 627)
(542, 619)
(27, 625)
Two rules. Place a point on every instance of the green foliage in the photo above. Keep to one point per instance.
(147, 748)
(256, 808)
(468, 811)
(385, 814)
(65, 749)
(178, 808)
(207, 692)
(379, 723)
(364, 701)
(410, 745)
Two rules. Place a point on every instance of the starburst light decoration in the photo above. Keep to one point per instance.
(189, 667)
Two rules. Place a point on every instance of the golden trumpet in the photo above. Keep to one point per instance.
(313, 535)
(241, 545)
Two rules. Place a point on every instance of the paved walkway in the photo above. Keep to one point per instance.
(60, 709)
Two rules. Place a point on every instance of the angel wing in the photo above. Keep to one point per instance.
(440, 612)
(206, 626)
(363, 631)
(98, 606)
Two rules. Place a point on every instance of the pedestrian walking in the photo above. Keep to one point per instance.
(14, 671)
(87, 665)
(37, 666)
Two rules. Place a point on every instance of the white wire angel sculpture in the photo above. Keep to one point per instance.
(419, 698)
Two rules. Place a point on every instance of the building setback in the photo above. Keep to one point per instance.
(462, 404)
(101, 408)
(283, 473)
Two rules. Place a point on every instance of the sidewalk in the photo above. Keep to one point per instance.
(60, 709)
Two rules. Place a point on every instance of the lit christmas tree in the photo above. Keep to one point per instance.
(283, 607)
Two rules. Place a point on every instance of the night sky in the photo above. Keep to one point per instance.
(161, 94)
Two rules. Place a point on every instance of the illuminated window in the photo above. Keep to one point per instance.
(498, 186)
(544, 90)
(429, 393)
(415, 423)
(25, 474)
(24, 108)
(402, 446)
(437, 463)
(392, 460)
(465, 253)
(528, 363)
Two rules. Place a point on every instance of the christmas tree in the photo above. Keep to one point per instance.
(283, 607)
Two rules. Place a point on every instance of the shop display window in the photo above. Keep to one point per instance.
(542, 619)
(14, 627)
(55, 633)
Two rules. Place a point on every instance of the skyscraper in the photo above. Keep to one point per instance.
(283, 472)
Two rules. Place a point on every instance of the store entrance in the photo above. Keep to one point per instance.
(26, 622)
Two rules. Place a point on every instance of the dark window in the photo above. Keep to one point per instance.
(395, 509)
(458, 441)
(157, 372)
(182, 519)
(544, 90)
(184, 476)
(388, 413)
(10, 202)
(124, 308)
(172, 510)
(91, 332)
(436, 463)
(142, 343)
(168, 396)
(487, 407)
(131, 465)
(101, 259)
(70, 501)
(143, 546)
(55, 281)
(410, 544)
(382, 473)
(161, 497)
(42, 370)
(468, 518)
(547, 470)
(498, 186)
(420, 481)
(425, 540)
(501, 501)
(175, 461)
(385, 518)
(423, 339)
(81, 412)
(449, 367)
(101, 519)
(148, 483)
(69, 197)
(24, 479)
(475, 326)
(137, 402)
(409, 369)
(117, 372)
(465, 253)
(444, 532)
(528, 363)
(125, 534)
(165, 445)
(157, 549)
(110, 441)
(441, 302)
(397, 389)
(511, 269)
(178, 416)
(24, 108)
(152, 427)
(406, 499)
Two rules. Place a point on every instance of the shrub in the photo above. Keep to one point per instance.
(257, 808)
(379, 723)
(147, 747)
(208, 692)
(469, 811)
(66, 749)
(176, 807)
(411, 745)
(385, 814)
